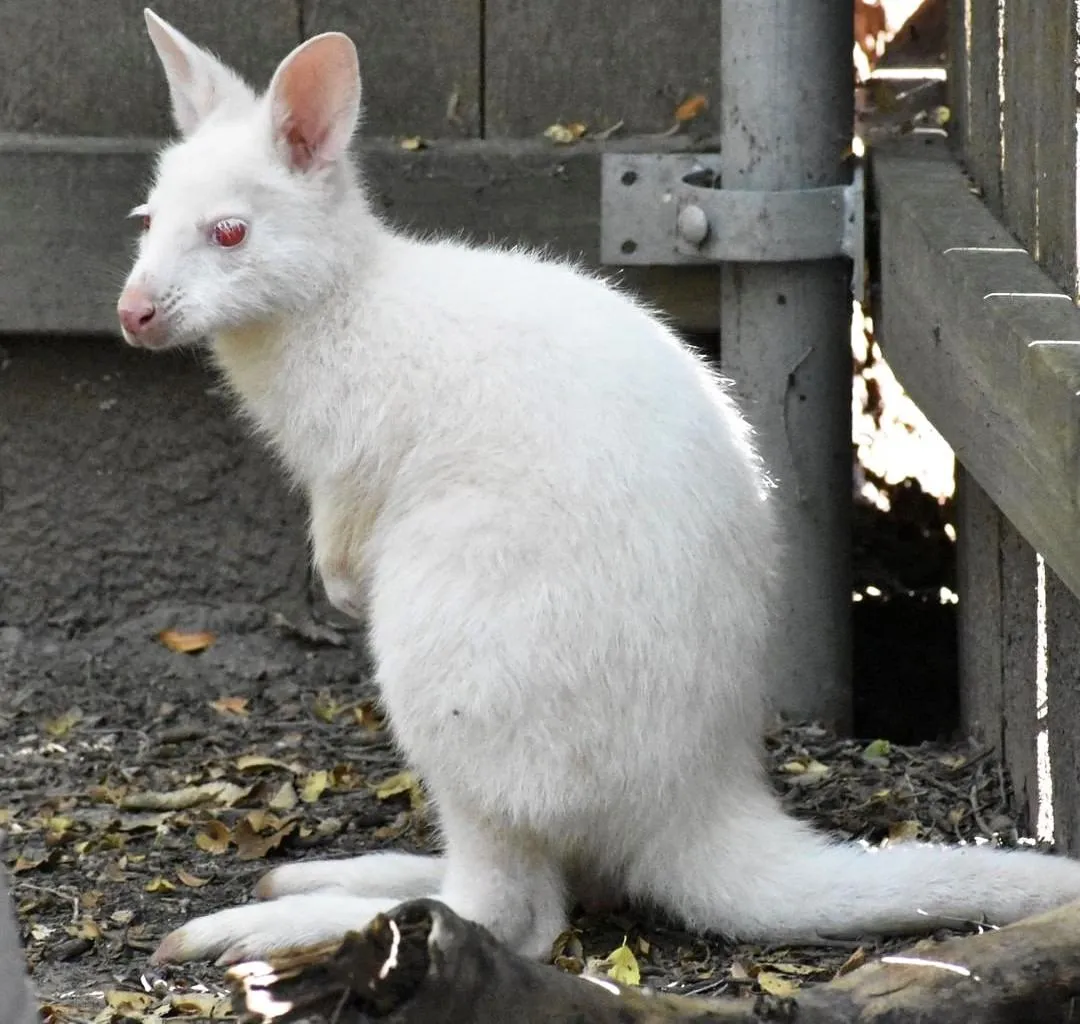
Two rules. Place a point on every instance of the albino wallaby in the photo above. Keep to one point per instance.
(553, 518)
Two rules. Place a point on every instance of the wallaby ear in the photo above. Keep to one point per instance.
(315, 101)
(198, 82)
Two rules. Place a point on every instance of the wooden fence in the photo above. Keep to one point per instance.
(977, 258)
(83, 102)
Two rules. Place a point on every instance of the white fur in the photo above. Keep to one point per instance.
(553, 517)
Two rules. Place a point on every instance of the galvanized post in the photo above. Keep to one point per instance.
(786, 99)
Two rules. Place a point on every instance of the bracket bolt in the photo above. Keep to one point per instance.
(693, 224)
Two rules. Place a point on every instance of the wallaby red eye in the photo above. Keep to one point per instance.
(229, 233)
(146, 222)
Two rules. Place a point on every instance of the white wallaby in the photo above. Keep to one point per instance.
(553, 518)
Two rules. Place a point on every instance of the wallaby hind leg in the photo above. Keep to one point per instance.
(506, 880)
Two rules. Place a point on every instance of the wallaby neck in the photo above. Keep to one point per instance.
(300, 374)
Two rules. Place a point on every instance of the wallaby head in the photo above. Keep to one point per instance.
(242, 223)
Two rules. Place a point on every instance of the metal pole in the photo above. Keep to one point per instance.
(786, 112)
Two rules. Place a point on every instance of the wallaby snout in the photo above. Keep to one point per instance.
(139, 317)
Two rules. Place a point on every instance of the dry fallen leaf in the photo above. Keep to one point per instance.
(788, 968)
(567, 951)
(63, 724)
(128, 1001)
(776, 984)
(904, 831)
(395, 829)
(190, 880)
(263, 820)
(87, 928)
(691, 107)
(29, 861)
(231, 705)
(563, 134)
(413, 143)
(878, 750)
(159, 885)
(252, 846)
(367, 716)
(284, 799)
(326, 708)
(253, 762)
(395, 785)
(329, 826)
(214, 838)
(204, 1005)
(622, 966)
(140, 822)
(738, 971)
(856, 960)
(185, 643)
(314, 785)
(805, 771)
(58, 829)
(344, 777)
(224, 794)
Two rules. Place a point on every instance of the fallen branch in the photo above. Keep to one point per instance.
(422, 964)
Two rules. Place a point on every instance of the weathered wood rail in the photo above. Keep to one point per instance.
(977, 313)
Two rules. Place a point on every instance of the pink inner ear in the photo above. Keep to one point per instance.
(306, 125)
(316, 92)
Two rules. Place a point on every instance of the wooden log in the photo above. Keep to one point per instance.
(422, 964)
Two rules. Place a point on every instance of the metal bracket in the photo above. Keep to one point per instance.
(670, 210)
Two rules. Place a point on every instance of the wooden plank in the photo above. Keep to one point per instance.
(599, 63)
(64, 201)
(86, 67)
(982, 153)
(959, 59)
(421, 62)
(1062, 712)
(1054, 128)
(1021, 55)
(1019, 668)
(958, 325)
(978, 572)
(1053, 125)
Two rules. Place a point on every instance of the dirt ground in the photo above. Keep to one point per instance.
(144, 785)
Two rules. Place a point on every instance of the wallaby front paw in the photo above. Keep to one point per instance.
(260, 930)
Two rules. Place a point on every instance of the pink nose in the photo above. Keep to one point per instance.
(136, 311)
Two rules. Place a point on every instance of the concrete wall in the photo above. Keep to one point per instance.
(126, 481)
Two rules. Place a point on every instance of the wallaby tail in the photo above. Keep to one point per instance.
(759, 875)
